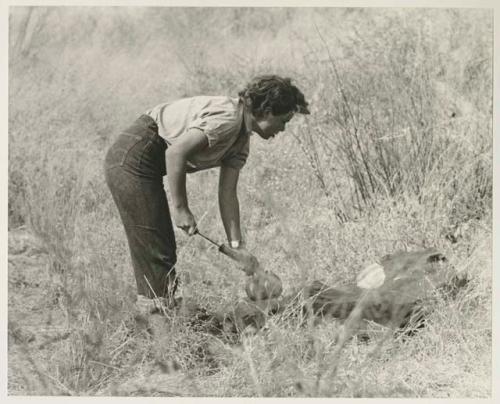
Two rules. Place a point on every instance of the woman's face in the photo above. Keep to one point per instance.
(269, 125)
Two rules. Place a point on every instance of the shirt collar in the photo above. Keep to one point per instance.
(246, 115)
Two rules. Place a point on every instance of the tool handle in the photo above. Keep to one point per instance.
(207, 238)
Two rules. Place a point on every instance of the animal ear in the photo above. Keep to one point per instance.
(436, 257)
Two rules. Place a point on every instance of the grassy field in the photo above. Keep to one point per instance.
(396, 155)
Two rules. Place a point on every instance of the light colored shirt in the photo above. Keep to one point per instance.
(224, 121)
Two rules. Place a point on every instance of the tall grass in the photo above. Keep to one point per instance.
(393, 119)
(396, 155)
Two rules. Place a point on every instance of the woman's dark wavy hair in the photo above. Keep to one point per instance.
(271, 93)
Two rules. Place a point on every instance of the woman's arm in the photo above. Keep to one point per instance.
(176, 156)
(228, 203)
(230, 214)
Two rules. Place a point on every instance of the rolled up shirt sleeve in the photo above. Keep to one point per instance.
(217, 127)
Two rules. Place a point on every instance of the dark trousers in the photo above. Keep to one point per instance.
(134, 170)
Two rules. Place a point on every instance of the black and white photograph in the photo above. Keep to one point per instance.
(249, 201)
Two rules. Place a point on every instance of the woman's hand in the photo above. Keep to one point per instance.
(248, 261)
(184, 219)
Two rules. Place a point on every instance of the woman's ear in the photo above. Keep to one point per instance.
(267, 113)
